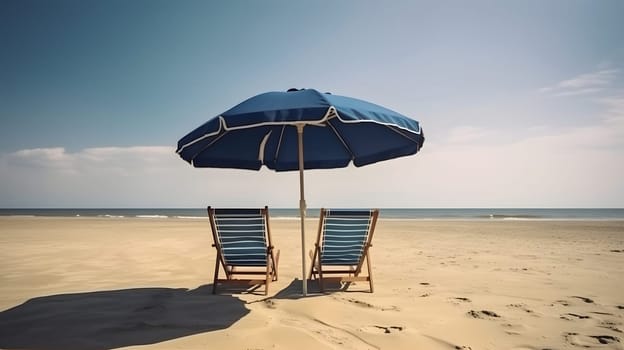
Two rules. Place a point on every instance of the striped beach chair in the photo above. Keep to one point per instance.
(245, 252)
(342, 245)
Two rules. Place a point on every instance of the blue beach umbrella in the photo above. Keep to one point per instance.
(298, 130)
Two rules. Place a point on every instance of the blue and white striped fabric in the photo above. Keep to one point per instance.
(242, 236)
(345, 233)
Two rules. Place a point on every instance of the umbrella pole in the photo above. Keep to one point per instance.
(302, 209)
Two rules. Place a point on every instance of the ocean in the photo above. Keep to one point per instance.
(386, 213)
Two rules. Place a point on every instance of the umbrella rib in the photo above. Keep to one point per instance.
(392, 126)
(399, 131)
(279, 144)
(205, 136)
(344, 143)
(208, 146)
(262, 146)
(396, 128)
(223, 126)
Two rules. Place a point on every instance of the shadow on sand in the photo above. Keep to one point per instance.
(116, 318)
(294, 290)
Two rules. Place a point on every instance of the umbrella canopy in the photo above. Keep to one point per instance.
(262, 131)
(274, 128)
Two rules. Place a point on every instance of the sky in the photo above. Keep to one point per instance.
(521, 102)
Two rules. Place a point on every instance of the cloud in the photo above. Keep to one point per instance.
(104, 160)
(614, 105)
(545, 166)
(57, 177)
(145, 176)
(467, 134)
(51, 158)
(584, 84)
(575, 167)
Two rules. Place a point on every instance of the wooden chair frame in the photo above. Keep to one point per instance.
(343, 273)
(234, 273)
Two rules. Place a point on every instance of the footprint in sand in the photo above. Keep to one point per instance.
(568, 303)
(610, 325)
(602, 313)
(482, 314)
(561, 302)
(459, 300)
(270, 303)
(382, 329)
(514, 329)
(587, 341)
(368, 305)
(522, 307)
(570, 316)
(584, 299)
(333, 335)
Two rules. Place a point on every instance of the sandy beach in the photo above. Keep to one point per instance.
(102, 283)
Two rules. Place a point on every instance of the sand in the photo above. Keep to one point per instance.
(102, 283)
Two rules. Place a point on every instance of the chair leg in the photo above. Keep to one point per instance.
(267, 276)
(276, 265)
(320, 278)
(216, 276)
(312, 254)
(370, 272)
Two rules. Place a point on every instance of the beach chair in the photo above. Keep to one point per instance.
(342, 244)
(245, 252)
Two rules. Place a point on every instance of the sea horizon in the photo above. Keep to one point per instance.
(385, 213)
